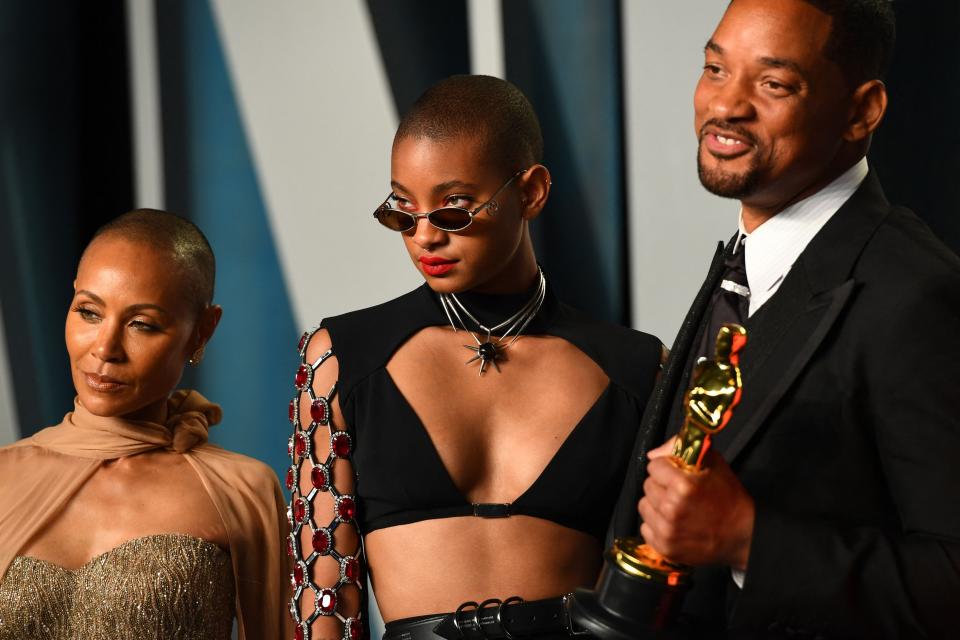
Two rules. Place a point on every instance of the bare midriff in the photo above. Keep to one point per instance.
(433, 566)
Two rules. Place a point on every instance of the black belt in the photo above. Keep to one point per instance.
(489, 620)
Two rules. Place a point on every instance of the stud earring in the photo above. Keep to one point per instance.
(197, 356)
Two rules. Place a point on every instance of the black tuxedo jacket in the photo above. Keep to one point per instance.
(847, 437)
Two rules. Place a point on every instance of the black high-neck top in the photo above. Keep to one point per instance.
(400, 476)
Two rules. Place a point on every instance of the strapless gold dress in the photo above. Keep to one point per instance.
(166, 586)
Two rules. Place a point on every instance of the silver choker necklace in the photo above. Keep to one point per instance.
(489, 350)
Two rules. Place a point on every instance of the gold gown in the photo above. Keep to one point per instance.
(138, 589)
(166, 586)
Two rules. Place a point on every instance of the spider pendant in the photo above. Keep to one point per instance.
(486, 353)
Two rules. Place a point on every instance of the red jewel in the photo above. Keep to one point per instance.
(290, 547)
(297, 575)
(351, 568)
(318, 476)
(299, 510)
(302, 377)
(327, 601)
(354, 629)
(292, 410)
(346, 508)
(321, 541)
(318, 411)
(299, 443)
(291, 478)
(303, 341)
(340, 444)
(298, 633)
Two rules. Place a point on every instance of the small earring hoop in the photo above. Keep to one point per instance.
(197, 356)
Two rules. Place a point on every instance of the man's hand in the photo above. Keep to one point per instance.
(698, 518)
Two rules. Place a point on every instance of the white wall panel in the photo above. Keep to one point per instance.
(320, 118)
(673, 222)
(486, 37)
(147, 132)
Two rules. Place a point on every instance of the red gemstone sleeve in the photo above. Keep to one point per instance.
(325, 546)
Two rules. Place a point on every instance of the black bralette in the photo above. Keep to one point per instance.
(400, 476)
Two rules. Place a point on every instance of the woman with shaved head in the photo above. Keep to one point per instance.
(465, 442)
(123, 521)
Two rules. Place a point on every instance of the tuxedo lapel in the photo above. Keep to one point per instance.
(784, 335)
(780, 347)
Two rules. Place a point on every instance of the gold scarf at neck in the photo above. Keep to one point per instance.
(188, 418)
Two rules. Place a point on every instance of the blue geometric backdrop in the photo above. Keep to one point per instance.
(66, 163)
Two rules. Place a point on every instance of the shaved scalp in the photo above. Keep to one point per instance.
(483, 108)
(170, 233)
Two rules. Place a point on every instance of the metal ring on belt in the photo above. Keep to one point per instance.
(511, 618)
(503, 625)
(456, 615)
(476, 614)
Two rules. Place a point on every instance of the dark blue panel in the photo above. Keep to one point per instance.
(565, 56)
(211, 178)
(64, 170)
(421, 42)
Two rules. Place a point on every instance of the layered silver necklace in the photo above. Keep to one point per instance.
(490, 350)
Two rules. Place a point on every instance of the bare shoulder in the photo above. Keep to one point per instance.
(319, 348)
(319, 372)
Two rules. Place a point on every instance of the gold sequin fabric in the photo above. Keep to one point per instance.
(165, 586)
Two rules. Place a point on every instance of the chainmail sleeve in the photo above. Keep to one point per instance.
(325, 546)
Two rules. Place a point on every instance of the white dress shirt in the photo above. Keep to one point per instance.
(776, 244)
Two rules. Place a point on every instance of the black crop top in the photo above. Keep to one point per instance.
(396, 488)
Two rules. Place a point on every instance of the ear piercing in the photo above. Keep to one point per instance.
(197, 356)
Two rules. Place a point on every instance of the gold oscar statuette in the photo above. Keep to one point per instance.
(639, 590)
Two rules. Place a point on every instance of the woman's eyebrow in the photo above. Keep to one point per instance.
(134, 307)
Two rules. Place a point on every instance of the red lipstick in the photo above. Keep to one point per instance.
(435, 265)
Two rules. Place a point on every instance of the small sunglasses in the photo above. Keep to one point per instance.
(445, 218)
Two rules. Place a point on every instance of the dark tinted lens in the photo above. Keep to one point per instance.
(450, 218)
(394, 219)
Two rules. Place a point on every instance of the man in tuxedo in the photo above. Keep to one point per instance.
(830, 505)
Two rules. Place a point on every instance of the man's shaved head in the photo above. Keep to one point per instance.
(169, 233)
(489, 110)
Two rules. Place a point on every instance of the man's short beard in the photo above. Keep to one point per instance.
(726, 184)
